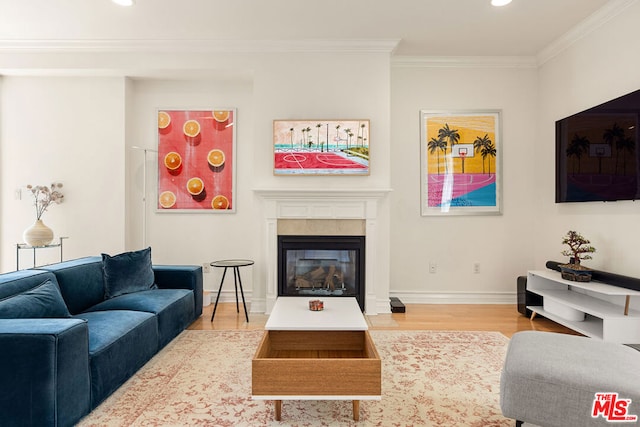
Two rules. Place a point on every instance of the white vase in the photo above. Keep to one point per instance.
(38, 234)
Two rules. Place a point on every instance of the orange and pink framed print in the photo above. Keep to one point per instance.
(321, 147)
(461, 162)
(196, 160)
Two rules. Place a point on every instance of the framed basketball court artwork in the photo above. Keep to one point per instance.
(461, 165)
(321, 147)
(196, 161)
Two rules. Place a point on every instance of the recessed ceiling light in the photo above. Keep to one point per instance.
(124, 2)
(500, 2)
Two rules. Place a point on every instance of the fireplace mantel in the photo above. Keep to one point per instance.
(330, 204)
(316, 193)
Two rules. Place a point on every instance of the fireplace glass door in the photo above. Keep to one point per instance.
(321, 266)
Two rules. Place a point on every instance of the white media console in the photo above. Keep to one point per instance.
(595, 309)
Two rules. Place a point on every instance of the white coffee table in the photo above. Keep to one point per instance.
(316, 355)
(293, 314)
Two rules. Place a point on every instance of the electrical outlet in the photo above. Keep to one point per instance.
(206, 267)
(433, 268)
(476, 268)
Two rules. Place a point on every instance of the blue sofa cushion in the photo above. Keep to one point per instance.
(127, 272)
(17, 282)
(120, 343)
(173, 307)
(181, 277)
(43, 300)
(80, 281)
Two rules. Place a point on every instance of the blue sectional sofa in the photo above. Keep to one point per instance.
(72, 333)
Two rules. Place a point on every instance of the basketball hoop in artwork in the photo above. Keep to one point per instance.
(462, 151)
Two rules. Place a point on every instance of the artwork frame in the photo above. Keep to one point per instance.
(448, 140)
(321, 147)
(196, 161)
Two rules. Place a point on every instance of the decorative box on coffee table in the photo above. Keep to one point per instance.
(316, 355)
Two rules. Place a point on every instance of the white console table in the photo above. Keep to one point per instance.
(608, 312)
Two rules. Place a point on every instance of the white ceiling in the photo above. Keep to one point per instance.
(422, 27)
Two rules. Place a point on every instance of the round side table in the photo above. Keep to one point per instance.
(235, 264)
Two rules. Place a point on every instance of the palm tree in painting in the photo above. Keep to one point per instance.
(291, 137)
(308, 139)
(611, 136)
(479, 144)
(362, 139)
(577, 146)
(327, 137)
(450, 135)
(347, 132)
(620, 143)
(488, 150)
(318, 126)
(435, 146)
(337, 136)
(626, 145)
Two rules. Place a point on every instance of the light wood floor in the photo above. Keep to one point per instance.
(502, 318)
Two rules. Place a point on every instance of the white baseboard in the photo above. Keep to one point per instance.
(413, 297)
(227, 296)
(407, 297)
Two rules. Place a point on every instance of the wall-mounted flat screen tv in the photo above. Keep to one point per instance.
(597, 153)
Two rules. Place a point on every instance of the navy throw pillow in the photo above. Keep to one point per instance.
(127, 273)
(44, 300)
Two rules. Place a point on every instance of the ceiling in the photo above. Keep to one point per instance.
(421, 27)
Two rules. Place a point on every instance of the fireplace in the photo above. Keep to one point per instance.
(322, 266)
(340, 208)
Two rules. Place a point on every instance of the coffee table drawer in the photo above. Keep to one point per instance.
(316, 363)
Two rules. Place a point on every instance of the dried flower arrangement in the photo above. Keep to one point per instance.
(44, 196)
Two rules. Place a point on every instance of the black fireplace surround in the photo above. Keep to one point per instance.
(321, 266)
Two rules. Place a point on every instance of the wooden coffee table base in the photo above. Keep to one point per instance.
(316, 365)
(356, 410)
(321, 355)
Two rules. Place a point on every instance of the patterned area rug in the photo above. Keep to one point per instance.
(203, 378)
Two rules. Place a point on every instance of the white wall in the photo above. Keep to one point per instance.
(79, 130)
(190, 238)
(119, 113)
(330, 86)
(323, 85)
(597, 68)
(69, 130)
(501, 244)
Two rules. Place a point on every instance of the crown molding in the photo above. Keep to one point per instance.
(205, 46)
(603, 15)
(463, 61)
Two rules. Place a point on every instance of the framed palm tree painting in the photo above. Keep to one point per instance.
(321, 147)
(460, 154)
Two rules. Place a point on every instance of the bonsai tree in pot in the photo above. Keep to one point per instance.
(579, 249)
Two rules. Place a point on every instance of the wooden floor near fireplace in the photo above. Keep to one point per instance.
(502, 318)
